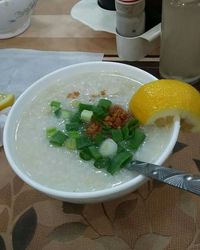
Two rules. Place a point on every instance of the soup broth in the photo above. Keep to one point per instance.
(61, 169)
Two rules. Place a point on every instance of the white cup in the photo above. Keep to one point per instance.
(15, 16)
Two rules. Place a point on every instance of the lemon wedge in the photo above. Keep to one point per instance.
(6, 100)
(167, 98)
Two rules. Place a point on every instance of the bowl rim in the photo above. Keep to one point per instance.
(138, 180)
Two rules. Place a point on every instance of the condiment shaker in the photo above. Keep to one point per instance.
(180, 40)
(130, 17)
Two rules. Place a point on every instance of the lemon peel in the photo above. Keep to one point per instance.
(6, 100)
(167, 98)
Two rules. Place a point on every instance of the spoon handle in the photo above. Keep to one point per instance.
(170, 176)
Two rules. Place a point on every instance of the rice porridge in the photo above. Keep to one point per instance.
(62, 169)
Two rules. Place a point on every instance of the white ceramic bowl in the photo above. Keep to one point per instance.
(15, 16)
(19, 107)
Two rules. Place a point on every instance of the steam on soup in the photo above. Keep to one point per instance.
(61, 168)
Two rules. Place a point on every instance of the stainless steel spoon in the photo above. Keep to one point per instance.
(170, 176)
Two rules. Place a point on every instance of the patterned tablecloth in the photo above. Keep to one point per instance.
(155, 217)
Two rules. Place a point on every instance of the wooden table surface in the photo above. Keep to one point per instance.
(53, 28)
(155, 217)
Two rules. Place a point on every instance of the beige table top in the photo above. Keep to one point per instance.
(53, 28)
(155, 217)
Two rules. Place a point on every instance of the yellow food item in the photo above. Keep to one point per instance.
(6, 100)
(167, 98)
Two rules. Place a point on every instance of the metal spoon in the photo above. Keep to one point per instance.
(170, 176)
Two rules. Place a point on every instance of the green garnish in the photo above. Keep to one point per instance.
(94, 152)
(50, 131)
(110, 148)
(73, 134)
(136, 140)
(86, 115)
(125, 132)
(104, 103)
(103, 163)
(83, 106)
(132, 123)
(117, 135)
(83, 142)
(99, 138)
(56, 108)
(72, 126)
(70, 143)
(66, 114)
(85, 155)
(99, 113)
(121, 159)
(58, 138)
(76, 117)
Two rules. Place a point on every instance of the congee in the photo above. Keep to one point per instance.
(62, 168)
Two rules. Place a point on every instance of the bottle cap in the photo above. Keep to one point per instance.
(130, 7)
(107, 4)
(130, 1)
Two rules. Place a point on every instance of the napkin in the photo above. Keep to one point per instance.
(21, 67)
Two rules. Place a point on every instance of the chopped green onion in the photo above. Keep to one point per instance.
(58, 138)
(70, 143)
(76, 117)
(72, 126)
(103, 163)
(108, 148)
(125, 132)
(83, 141)
(137, 139)
(66, 114)
(75, 103)
(104, 103)
(56, 108)
(106, 130)
(132, 123)
(99, 113)
(94, 151)
(117, 135)
(83, 106)
(99, 138)
(85, 155)
(73, 134)
(86, 115)
(55, 104)
(119, 161)
(121, 147)
(131, 132)
(50, 131)
(105, 127)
